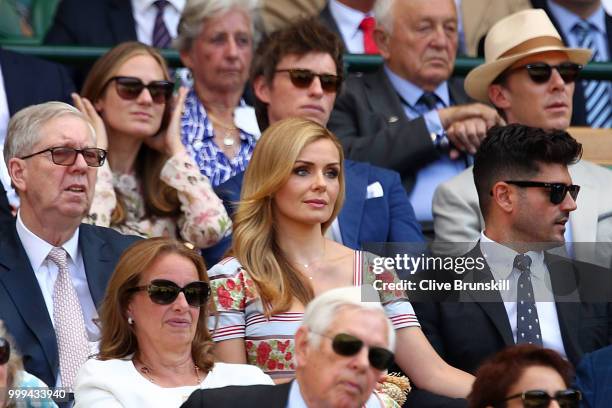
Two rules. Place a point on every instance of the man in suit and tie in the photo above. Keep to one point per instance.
(409, 115)
(341, 350)
(529, 75)
(53, 269)
(296, 73)
(352, 20)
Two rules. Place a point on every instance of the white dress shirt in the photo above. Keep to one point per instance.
(348, 20)
(46, 272)
(500, 259)
(144, 15)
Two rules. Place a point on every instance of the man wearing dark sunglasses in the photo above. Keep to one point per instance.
(342, 348)
(530, 76)
(297, 72)
(53, 269)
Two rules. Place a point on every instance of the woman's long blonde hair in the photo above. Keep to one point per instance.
(159, 198)
(118, 340)
(255, 244)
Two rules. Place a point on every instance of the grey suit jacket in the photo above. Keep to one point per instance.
(369, 120)
(457, 216)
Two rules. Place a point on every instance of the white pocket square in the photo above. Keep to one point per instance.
(375, 190)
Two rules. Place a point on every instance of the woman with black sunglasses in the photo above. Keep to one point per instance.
(524, 376)
(150, 185)
(15, 381)
(155, 348)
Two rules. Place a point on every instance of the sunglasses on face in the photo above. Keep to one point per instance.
(5, 351)
(302, 78)
(66, 156)
(540, 399)
(164, 292)
(557, 190)
(130, 88)
(540, 72)
(348, 345)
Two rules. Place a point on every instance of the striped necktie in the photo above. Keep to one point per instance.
(161, 36)
(596, 93)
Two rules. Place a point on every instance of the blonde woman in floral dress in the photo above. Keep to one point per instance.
(150, 186)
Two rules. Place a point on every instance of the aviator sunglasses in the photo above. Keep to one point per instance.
(130, 88)
(66, 156)
(557, 190)
(540, 399)
(302, 78)
(5, 351)
(540, 72)
(349, 345)
(164, 292)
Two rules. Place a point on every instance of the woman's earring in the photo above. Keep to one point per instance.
(130, 320)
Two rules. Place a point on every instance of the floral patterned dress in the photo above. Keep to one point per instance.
(203, 220)
(269, 341)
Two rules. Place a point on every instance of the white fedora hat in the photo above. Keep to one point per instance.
(512, 38)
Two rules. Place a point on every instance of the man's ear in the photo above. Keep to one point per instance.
(382, 42)
(504, 197)
(302, 346)
(500, 96)
(261, 89)
(186, 59)
(17, 169)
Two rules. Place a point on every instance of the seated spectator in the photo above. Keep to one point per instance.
(155, 348)
(333, 368)
(215, 42)
(150, 185)
(524, 376)
(14, 377)
(594, 378)
(293, 189)
(410, 116)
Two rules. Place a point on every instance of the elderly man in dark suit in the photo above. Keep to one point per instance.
(341, 349)
(53, 269)
(409, 116)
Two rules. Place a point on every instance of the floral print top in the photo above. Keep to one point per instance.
(203, 220)
(269, 341)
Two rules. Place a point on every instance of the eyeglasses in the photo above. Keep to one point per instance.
(164, 292)
(130, 88)
(349, 345)
(302, 78)
(557, 190)
(5, 351)
(540, 72)
(66, 156)
(540, 399)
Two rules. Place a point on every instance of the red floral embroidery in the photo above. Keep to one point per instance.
(282, 345)
(271, 364)
(288, 356)
(224, 297)
(263, 353)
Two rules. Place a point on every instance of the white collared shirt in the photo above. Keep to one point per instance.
(46, 272)
(501, 262)
(144, 15)
(348, 20)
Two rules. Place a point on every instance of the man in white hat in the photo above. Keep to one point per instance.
(529, 77)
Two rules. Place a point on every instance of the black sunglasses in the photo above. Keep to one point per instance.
(5, 351)
(557, 190)
(349, 345)
(66, 156)
(164, 292)
(540, 399)
(130, 88)
(302, 78)
(540, 72)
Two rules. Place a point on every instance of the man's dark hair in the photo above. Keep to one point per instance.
(300, 38)
(515, 152)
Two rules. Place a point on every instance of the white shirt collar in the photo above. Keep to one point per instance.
(140, 6)
(345, 16)
(500, 258)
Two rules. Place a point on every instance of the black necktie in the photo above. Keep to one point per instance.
(527, 321)
(427, 102)
(161, 36)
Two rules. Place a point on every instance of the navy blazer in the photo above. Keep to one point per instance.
(22, 306)
(594, 378)
(389, 218)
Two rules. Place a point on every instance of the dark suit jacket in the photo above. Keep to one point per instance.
(466, 333)
(235, 396)
(388, 218)
(5, 209)
(22, 307)
(369, 120)
(594, 378)
(94, 23)
(328, 21)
